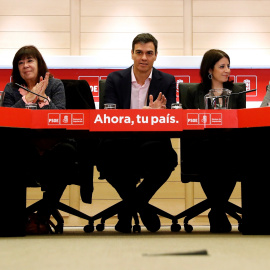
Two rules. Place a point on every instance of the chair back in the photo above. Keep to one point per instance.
(244, 88)
(102, 84)
(78, 94)
(184, 88)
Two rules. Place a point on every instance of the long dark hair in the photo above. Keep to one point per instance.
(209, 60)
(28, 51)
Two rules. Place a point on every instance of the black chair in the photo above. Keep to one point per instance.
(113, 210)
(189, 174)
(78, 96)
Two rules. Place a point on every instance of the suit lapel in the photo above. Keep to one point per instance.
(155, 86)
(126, 88)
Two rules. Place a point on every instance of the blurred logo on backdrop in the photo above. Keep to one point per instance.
(250, 81)
(93, 83)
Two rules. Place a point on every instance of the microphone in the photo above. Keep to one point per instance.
(235, 93)
(32, 92)
(243, 92)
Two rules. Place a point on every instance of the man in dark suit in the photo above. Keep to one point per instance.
(125, 161)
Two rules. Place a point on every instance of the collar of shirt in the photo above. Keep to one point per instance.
(139, 92)
(133, 78)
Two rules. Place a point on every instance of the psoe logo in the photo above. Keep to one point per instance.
(54, 119)
(193, 119)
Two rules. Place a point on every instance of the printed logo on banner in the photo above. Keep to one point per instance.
(77, 118)
(65, 119)
(93, 83)
(216, 119)
(53, 119)
(193, 119)
(204, 119)
(180, 79)
(250, 81)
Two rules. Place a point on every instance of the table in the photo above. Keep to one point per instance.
(172, 123)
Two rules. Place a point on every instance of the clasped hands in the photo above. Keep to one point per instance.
(39, 88)
(159, 103)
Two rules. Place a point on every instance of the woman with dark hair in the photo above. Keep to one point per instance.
(219, 171)
(215, 73)
(49, 160)
(30, 70)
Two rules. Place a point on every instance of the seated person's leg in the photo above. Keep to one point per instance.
(125, 187)
(116, 163)
(58, 170)
(218, 192)
(216, 162)
(87, 155)
(157, 161)
(220, 174)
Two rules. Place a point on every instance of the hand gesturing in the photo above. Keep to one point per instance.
(159, 103)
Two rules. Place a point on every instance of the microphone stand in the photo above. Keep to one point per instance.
(33, 93)
(243, 92)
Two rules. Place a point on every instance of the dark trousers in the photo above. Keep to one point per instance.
(218, 161)
(25, 162)
(218, 192)
(59, 169)
(46, 163)
(123, 162)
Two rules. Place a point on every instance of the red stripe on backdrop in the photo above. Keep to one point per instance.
(254, 78)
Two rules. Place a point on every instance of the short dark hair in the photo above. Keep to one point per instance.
(209, 60)
(144, 38)
(28, 51)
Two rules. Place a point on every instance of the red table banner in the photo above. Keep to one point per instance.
(134, 120)
(11, 117)
(259, 117)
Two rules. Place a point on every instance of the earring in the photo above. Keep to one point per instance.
(210, 76)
